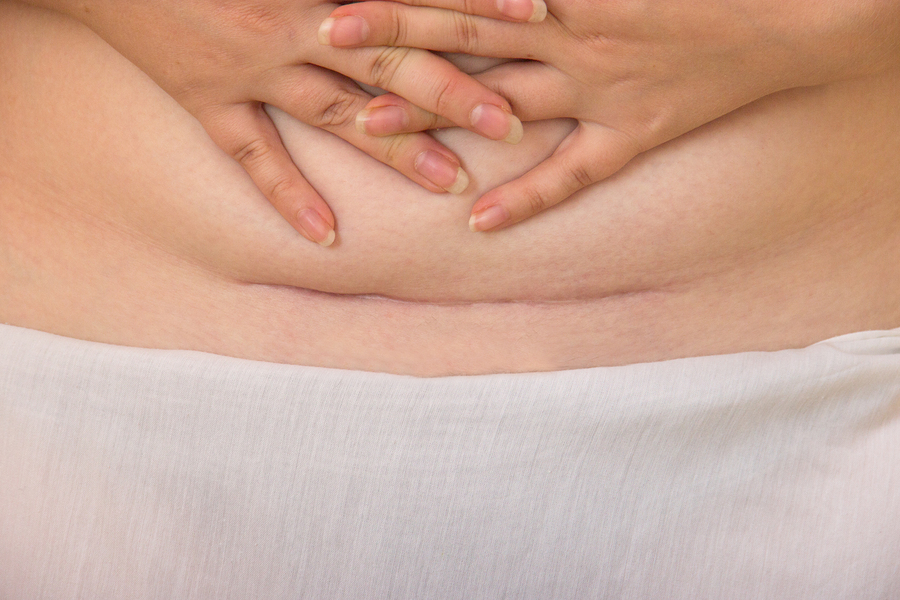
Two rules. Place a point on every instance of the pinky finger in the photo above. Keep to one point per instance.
(246, 132)
(589, 154)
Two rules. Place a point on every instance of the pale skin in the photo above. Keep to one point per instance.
(223, 61)
(634, 74)
(773, 227)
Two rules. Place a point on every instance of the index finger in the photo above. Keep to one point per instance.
(533, 11)
(247, 133)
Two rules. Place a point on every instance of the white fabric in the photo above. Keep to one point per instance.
(146, 474)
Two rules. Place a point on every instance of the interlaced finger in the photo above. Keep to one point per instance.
(535, 91)
(433, 84)
(326, 100)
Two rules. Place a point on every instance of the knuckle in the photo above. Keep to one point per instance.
(386, 64)
(254, 156)
(445, 96)
(398, 31)
(579, 176)
(394, 150)
(535, 202)
(466, 33)
(279, 188)
(252, 153)
(338, 110)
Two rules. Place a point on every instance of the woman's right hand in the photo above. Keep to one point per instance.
(223, 60)
(634, 74)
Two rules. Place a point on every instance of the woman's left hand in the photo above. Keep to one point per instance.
(635, 74)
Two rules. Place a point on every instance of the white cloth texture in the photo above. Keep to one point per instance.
(148, 474)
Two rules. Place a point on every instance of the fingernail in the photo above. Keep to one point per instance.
(442, 172)
(343, 31)
(540, 11)
(383, 120)
(516, 131)
(489, 218)
(495, 123)
(523, 10)
(316, 227)
(325, 31)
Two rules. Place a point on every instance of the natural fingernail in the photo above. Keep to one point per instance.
(315, 227)
(493, 122)
(384, 120)
(325, 31)
(442, 172)
(540, 11)
(489, 218)
(516, 131)
(343, 31)
(523, 10)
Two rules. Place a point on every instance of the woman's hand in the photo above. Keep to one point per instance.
(635, 74)
(222, 59)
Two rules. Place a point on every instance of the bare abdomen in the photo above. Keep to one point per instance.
(773, 227)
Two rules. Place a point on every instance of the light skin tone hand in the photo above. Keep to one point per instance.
(634, 74)
(224, 59)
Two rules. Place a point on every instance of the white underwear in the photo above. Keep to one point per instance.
(129, 474)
